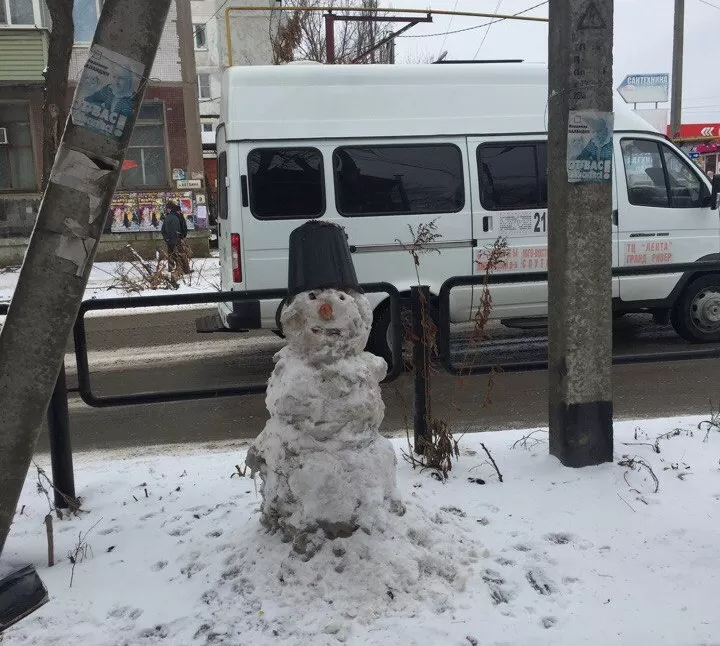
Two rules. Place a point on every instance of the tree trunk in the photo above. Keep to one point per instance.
(56, 80)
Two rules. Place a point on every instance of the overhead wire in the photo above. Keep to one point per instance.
(486, 24)
(487, 31)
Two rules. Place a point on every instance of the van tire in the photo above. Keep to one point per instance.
(696, 315)
(378, 341)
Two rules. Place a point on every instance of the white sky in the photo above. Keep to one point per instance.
(643, 42)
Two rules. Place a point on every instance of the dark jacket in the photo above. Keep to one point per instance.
(174, 227)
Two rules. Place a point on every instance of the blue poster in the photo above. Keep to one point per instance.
(590, 146)
(106, 92)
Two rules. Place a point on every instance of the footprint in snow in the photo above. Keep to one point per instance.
(160, 565)
(559, 538)
(539, 582)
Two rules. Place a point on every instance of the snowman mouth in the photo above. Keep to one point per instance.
(329, 331)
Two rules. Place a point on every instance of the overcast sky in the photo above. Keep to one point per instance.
(643, 42)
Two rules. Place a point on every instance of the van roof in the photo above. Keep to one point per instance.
(276, 102)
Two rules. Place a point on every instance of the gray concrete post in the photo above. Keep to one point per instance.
(580, 231)
(63, 244)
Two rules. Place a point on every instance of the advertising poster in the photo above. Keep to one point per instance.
(201, 216)
(123, 210)
(106, 92)
(150, 211)
(589, 146)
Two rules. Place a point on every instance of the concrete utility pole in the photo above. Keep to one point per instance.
(63, 244)
(677, 69)
(580, 234)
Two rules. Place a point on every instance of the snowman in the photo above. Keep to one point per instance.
(325, 470)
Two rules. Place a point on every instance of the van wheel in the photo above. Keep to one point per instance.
(380, 341)
(696, 315)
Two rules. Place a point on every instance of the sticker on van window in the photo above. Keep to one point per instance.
(648, 253)
(516, 259)
(590, 146)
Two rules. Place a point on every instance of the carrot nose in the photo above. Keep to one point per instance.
(326, 312)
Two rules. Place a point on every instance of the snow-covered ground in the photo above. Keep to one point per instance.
(104, 283)
(550, 556)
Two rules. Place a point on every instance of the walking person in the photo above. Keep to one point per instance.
(174, 232)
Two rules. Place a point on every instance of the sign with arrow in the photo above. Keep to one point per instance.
(645, 88)
(696, 131)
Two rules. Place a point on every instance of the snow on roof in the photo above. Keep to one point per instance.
(346, 101)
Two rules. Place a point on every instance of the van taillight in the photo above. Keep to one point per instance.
(235, 245)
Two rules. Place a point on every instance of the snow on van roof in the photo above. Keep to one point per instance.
(280, 102)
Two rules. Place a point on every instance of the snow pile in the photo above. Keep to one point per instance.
(326, 471)
(550, 557)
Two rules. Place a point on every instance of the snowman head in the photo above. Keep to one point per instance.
(327, 323)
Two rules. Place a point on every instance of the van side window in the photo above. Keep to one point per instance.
(657, 176)
(398, 179)
(684, 185)
(286, 183)
(222, 187)
(513, 176)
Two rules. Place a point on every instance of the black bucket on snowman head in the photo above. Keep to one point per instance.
(320, 259)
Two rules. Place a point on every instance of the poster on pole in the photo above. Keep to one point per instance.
(106, 93)
(589, 146)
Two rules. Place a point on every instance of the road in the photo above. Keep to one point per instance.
(149, 352)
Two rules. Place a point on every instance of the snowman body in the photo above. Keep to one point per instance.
(325, 470)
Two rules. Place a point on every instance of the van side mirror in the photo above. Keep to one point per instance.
(715, 192)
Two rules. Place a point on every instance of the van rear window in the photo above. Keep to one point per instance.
(398, 179)
(286, 183)
(513, 176)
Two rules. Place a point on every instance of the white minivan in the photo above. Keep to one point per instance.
(381, 149)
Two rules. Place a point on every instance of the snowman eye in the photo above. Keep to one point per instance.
(312, 296)
(342, 297)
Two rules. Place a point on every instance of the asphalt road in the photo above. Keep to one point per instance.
(150, 352)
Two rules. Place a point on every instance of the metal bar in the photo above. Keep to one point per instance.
(438, 12)
(81, 354)
(420, 298)
(384, 41)
(428, 18)
(60, 446)
(617, 360)
(329, 38)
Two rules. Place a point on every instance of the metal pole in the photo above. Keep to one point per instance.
(72, 216)
(421, 365)
(60, 446)
(580, 231)
(330, 38)
(677, 70)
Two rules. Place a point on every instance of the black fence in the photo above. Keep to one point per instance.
(539, 277)
(169, 300)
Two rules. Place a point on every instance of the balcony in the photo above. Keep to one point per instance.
(23, 54)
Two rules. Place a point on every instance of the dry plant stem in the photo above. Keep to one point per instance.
(81, 550)
(499, 475)
(636, 464)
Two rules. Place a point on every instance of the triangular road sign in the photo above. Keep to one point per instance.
(592, 18)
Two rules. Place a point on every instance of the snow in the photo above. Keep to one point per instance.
(205, 278)
(550, 556)
(325, 470)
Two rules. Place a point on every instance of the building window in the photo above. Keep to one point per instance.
(200, 37)
(204, 86)
(17, 164)
(85, 19)
(16, 12)
(286, 183)
(513, 176)
(399, 179)
(207, 127)
(145, 162)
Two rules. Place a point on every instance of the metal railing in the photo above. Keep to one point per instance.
(168, 300)
(445, 357)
